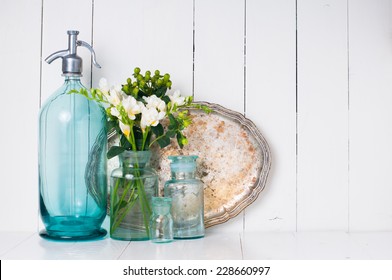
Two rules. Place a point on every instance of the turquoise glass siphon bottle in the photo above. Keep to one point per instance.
(72, 156)
(187, 194)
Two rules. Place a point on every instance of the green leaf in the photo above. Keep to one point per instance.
(114, 151)
(163, 141)
(137, 132)
(179, 140)
(158, 130)
(159, 92)
(173, 121)
(125, 143)
(171, 133)
(166, 99)
(206, 109)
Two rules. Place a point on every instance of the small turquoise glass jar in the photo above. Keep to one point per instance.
(161, 222)
(187, 194)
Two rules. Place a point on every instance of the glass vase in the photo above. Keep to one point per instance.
(132, 186)
(72, 165)
(187, 193)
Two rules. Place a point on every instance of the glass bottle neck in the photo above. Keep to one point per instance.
(182, 175)
(72, 78)
(162, 210)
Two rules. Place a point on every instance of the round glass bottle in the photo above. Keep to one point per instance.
(72, 165)
(161, 222)
(132, 186)
(187, 195)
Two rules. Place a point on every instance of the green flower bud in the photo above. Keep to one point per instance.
(166, 77)
(187, 122)
(137, 70)
(184, 141)
(157, 73)
(135, 91)
(125, 88)
(169, 84)
(129, 81)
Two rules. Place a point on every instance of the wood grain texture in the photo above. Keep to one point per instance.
(322, 190)
(370, 115)
(20, 29)
(271, 104)
(219, 52)
(322, 99)
(147, 34)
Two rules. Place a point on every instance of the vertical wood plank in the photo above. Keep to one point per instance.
(219, 52)
(271, 104)
(148, 34)
(370, 115)
(59, 16)
(219, 62)
(322, 115)
(20, 31)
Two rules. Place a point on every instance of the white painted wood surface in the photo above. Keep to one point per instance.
(215, 246)
(148, 34)
(314, 76)
(271, 95)
(322, 127)
(370, 115)
(20, 29)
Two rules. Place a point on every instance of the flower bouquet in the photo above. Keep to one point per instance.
(136, 110)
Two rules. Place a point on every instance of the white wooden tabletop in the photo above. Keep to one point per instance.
(215, 246)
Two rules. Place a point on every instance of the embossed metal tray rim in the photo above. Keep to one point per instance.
(265, 164)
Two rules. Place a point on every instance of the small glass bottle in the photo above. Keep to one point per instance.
(187, 195)
(161, 222)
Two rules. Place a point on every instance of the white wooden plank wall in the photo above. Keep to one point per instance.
(322, 123)
(314, 76)
(271, 104)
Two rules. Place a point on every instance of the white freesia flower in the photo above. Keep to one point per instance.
(150, 117)
(155, 102)
(103, 86)
(114, 112)
(176, 98)
(126, 129)
(115, 96)
(131, 106)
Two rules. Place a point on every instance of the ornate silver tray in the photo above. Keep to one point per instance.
(234, 161)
